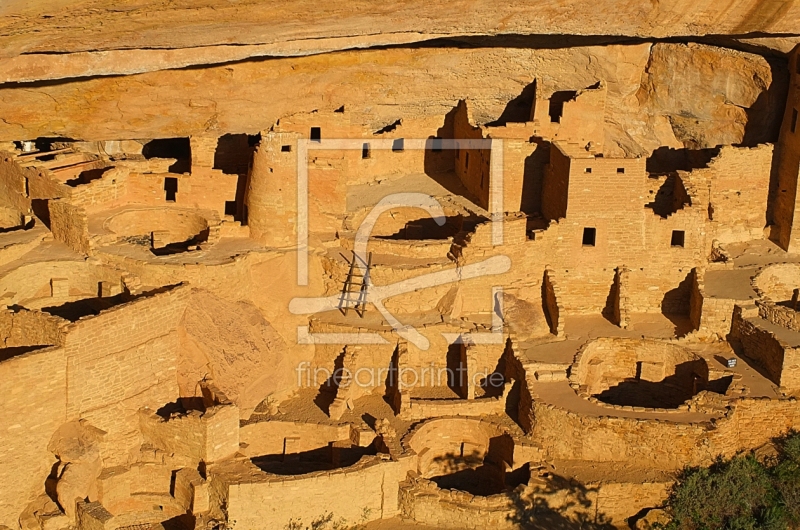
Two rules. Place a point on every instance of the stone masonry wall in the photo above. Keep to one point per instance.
(759, 344)
(69, 225)
(370, 486)
(203, 436)
(124, 359)
(267, 437)
(34, 398)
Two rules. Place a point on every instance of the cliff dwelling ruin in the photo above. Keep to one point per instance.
(274, 265)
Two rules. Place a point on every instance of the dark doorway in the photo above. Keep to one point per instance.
(457, 369)
(178, 148)
(171, 188)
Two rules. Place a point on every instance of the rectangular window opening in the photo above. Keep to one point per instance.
(466, 161)
(286, 149)
(589, 236)
(316, 134)
(588, 170)
(365, 152)
(437, 145)
(794, 120)
(171, 188)
(399, 145)
(230, 208)
(620, 170)
(678, 238)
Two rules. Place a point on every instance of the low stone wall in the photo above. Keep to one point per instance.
(268, 502)
(604, 362)
(651, 443)
(430, 408)
(416, 248)
(779, 360)
(538, 504)
(268, 437)
(661, 444)
(779, 315)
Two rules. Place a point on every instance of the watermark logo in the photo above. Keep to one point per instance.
(376, 295)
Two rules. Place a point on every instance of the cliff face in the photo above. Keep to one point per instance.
(54, 39)
(658, 94)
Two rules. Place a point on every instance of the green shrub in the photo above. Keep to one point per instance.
(741, 493)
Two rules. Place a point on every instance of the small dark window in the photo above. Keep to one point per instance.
(589, 237)
(316, 134)
(171, 188)
(588, 170)
(365, 153)
(398, 145)
(230, 208)
(437, 145)
(483, 175)
(620, 170)
(466, 160)
(678, 238)
(286, 148)
(458, 151)
(794, 120)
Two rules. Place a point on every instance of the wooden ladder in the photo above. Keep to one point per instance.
(355, 284)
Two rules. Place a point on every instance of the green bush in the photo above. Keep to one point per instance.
(741, 493)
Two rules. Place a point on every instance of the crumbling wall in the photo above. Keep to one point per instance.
(30, 328)
(779, 315)
(206, 436)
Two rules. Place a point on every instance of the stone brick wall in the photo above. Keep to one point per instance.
(30, 328)
(600, 503)
(124, 359)
(657, 444)
(432, 408)
(472, 165)
(551, 295)
(69, 225)
(13, 191)
(779, 315)
(100, 194)
(34, 395)
(739, 184)
(371, 488)
(206, 436)
(762, 346)
(267, 437)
